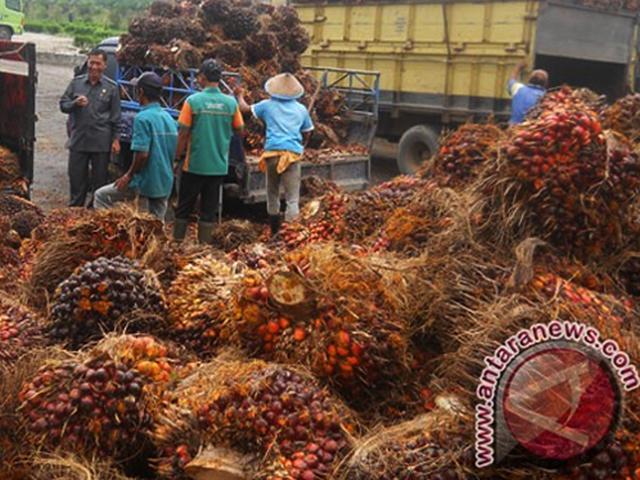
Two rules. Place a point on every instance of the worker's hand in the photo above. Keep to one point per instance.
(238, 91)
(123, 182)
(81, 101)
(522, 64)
(115, 146)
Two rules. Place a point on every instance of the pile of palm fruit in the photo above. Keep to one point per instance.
(252, 39)
(349, 345)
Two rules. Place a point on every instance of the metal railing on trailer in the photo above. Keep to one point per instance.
(178, 86)
(361, 89)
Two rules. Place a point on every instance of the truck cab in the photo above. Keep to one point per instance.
(11, 19)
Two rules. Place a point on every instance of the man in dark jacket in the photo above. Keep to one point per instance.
(93, 102)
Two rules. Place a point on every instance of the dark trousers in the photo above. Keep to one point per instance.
(207, 187)
(79, 179)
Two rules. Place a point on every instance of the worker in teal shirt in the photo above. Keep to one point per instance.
(154, 143)
(525, 97)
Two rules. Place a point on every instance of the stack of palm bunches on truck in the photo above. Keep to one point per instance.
(250, 38)
(349, 346)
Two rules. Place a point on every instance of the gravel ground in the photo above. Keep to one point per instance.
(51, 186)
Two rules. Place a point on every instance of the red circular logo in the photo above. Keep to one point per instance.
(559, 403)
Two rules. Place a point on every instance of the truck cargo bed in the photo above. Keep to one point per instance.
(349, 172)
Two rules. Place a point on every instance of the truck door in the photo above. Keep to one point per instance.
(585, 48)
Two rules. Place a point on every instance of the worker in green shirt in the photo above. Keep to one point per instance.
(207, 122)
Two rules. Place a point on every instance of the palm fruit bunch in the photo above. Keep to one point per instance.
(261, 46)
(20, 330)
(463, 152)
(623, 115)
(151, 358)
(320, 220)
(299, 430)
(257, 256)
(421, 457)
(611, 315)
(198, 302)
(26, 222)
(11, 179)
(163, 8)
(261, 322)
(121, 231)
(427, 218)
(216, 11)
(9, 165)
(617, 460)
(552, 160)
(99, 295)
(134, 51)
(11, 205)
(240, 23)
(330, 311)
(368, 210)
(230, 53)
(431, 446)
(91, 404)
(630, 276)
(232, 234)
(150, 29)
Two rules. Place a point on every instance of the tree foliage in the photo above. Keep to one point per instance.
(113, 14)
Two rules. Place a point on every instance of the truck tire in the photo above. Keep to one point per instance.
(417, 145)
(5, 33)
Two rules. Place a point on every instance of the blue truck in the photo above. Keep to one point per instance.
(349, 171)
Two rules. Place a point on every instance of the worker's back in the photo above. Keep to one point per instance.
(525, 97)
(211, 115)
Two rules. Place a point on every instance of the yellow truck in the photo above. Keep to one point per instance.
(444, 62)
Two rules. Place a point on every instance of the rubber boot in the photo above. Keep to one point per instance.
(274, 222)
(180, 229)
(205, 230)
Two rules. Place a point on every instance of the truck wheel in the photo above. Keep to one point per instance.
(5, 33)
(418, 145)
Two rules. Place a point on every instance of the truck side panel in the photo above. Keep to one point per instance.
(17, 96)
(450, 59)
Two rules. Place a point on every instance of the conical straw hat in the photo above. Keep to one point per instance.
(284, 86)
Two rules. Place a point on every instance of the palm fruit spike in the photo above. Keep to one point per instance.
(98, 295)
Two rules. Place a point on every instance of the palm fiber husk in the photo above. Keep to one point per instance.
(232, 234)
(104, 233)
(437, 443)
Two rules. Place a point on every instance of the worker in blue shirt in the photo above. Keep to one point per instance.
(287, 122)
(154, 143)
(525, 97)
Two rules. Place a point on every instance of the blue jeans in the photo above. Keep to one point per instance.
(109, 195)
